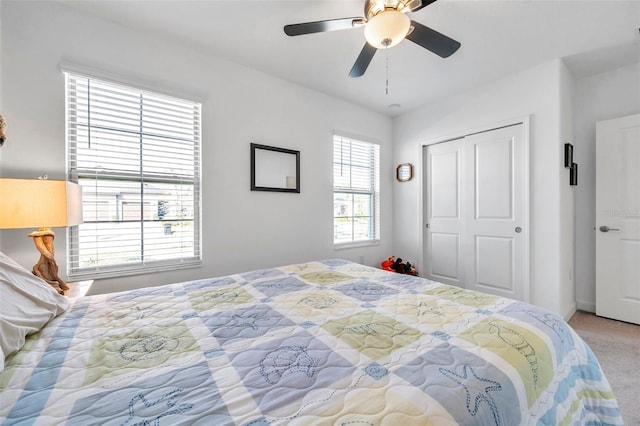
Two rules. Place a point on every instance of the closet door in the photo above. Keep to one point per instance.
(474, 205)
(618, 218)
(444, 212)
(494, 220)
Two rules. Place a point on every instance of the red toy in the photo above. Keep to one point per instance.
(395, 265)
(388, 264)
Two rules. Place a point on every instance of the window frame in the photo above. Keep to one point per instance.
(373, 192)
(74, 270)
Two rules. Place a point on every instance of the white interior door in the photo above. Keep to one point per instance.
(494, 223)
(475, 203)
(618, 219)
(443, 210)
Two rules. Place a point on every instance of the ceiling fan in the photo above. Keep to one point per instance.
(385, 25)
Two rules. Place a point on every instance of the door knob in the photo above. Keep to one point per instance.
(605, 228)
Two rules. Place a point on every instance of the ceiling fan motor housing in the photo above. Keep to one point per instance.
(374, 7)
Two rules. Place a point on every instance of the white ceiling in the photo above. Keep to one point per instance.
(499, 37)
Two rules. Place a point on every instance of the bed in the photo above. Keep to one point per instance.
(325, 342)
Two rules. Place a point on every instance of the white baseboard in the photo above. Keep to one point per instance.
(572, 310)
(586, 306)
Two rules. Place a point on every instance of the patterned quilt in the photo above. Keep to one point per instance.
(328, 342)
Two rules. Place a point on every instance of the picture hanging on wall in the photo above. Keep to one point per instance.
(274, 169)
(404, 172)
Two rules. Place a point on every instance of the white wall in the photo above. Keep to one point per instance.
(535, 93)
(604, 96)
(567, 197)
(242, 230)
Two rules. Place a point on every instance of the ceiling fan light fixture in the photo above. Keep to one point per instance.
(387, 29)
(385, 25)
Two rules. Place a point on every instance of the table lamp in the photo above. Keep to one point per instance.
(43, 204)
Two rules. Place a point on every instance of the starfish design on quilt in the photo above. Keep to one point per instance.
(424, 308)
(245, 321)
(477, 390)
(145, 412)
(287, 360)
(518, 342)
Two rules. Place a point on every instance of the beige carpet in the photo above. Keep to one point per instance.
(617, 347)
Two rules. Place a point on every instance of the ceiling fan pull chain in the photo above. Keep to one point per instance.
(386, 58)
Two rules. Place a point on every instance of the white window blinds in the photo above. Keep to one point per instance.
(356, 193)
(136, 155)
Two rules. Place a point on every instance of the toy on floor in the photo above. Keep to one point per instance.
(396, 265)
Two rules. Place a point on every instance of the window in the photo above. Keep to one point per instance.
(356, 193)
(136, 155)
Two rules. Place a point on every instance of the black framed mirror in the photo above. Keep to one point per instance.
(274, 169)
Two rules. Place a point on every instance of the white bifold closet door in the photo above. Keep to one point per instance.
(474, 207)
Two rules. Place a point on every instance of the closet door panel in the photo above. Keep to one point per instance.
(445, 178)
(445, 261)
(493, 166)
(491, 275)
(443, 213)
(494, 197)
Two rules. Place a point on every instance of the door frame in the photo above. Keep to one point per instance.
(461, 133)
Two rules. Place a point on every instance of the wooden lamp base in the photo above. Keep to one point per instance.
(47, 268)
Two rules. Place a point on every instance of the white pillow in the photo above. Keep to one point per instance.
(27, 303)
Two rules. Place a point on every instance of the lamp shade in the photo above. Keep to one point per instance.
(387, 29)
(39, 203)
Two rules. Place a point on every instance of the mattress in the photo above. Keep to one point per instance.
(325, 342)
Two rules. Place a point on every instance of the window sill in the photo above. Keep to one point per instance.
(78, 289)
(356, 244)
(124, 272)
